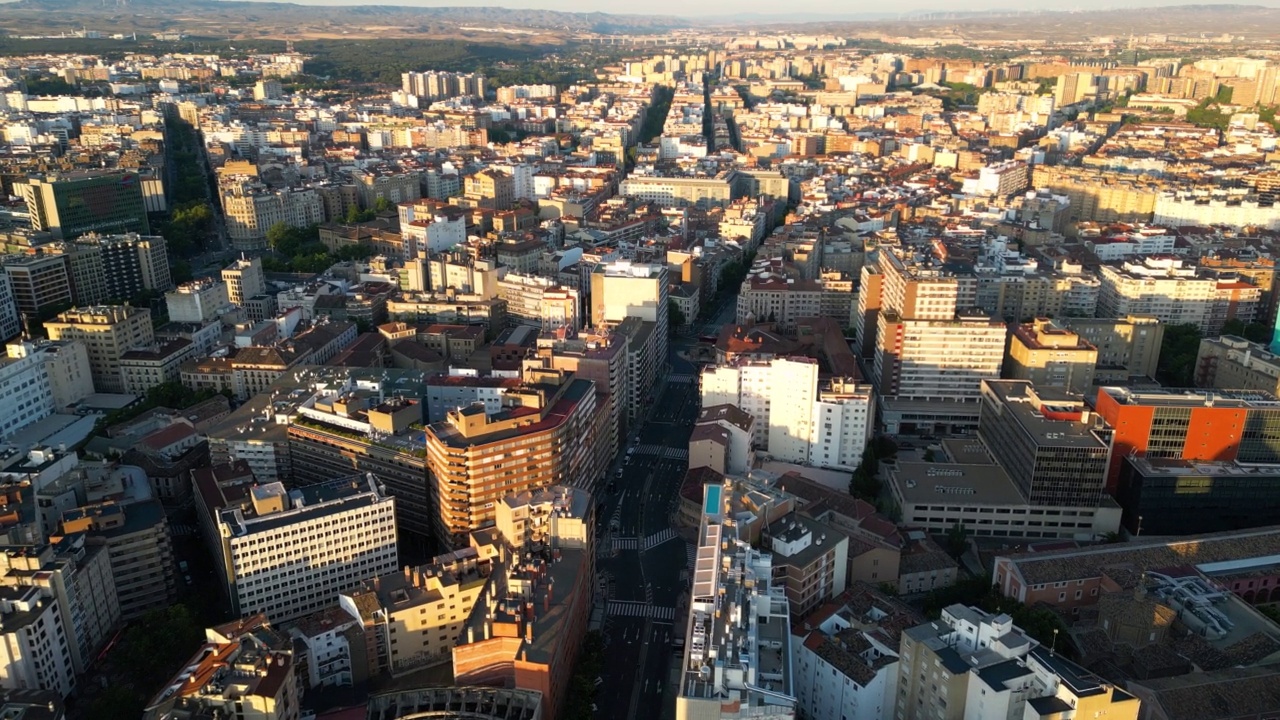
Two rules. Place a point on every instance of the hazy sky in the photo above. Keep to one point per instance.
(727, 8)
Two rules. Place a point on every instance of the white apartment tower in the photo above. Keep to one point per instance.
(289, 553)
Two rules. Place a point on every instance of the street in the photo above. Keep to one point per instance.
(642, 559)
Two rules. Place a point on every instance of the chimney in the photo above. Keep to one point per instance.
(528, 631)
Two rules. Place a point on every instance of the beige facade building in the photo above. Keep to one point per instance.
(107, 332)
(1051, 357)
(1233, 363)
(1128, 346)
(244, 279)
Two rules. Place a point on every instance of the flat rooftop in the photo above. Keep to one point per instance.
(942, 483)
(1192, 397)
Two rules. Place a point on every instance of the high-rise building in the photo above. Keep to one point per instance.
(367, 425)
(10, 323)
(601, 357)
(78, 575)
(133, 263)
(1051, 357)
(287, 553)
(1046, 441)
(244, 279)
(795, 419)
(140, 547)
(738, 634)
(107, 332)
(545, 434)
(71, 204)
(39, 282)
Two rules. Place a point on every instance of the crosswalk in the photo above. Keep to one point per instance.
(625, 543)
(180, 529)
(691, 554)
(657, 539)
(627, 608)
(681, 378)
(662, 451)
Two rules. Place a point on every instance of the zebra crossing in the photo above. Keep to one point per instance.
(625, 543)
(657, 539)
(180, 529)
(668, 453)
(691, 554)
(681, 378)
(629, 608)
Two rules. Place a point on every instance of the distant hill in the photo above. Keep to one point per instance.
(256, 19)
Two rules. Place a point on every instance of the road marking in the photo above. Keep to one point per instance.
(631, 608)
(625, 543)
(658, 538)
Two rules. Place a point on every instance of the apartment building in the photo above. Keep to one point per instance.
(244, 279)
(416, 617)
(39, 282)
(462, 274)
(489, 189)
(540, 302)
(527, 626)
(1099, 196)
(1051, 357)
(251, 211)
(76, 575)
(673, 192)
(1176, 294)
(245, 669)
(600, 356)
(787, 301)
(35, 641)
(973, 664)
(1233, 363)
(544, 435)
(722, 440)
(107, 332)
(140, 547)
(846, 667)
(810, 560)
(197, 301)
(940, 362)
(1128, 347)
(286, 553)
(26, 390)
(358, 426)
(144, 368)
(794, 419)
(124, 265)
(738, 633)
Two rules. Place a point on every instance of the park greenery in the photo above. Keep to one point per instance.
(1178, 349)
(145, 659)
(656, 116)
(580, 699)
(300, 250)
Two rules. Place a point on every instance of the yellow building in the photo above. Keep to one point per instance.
(1051, 357)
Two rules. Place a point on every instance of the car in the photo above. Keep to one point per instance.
(631, 450)
(182, 565)
(618, 475)
(187, 578)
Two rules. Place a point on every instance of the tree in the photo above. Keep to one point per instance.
(383, 205)
(957, 540)
(675, 317)
(929, 455)
(1178, 350)
(1253, 332)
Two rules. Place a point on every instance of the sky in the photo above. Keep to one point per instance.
(834, 9)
